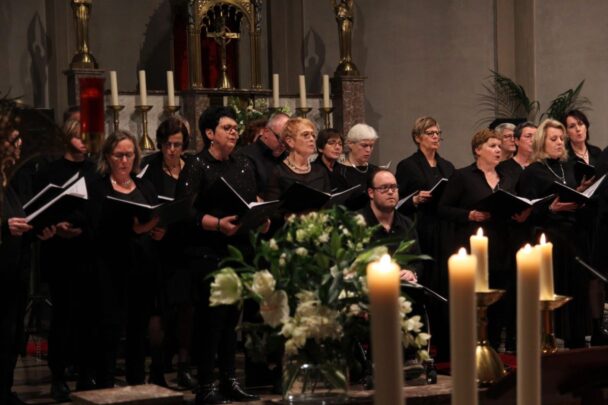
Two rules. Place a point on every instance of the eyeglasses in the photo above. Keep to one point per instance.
(385, 188)
(229, 128)
(508, 136)
(334, 142)
(175, 145)
(274, 133)
(366, 145)
(433, 133)
(121, 156)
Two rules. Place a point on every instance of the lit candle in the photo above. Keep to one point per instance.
(546, 269)
(275, 90)
(170, 89)
(114, 87)
(479, 249)
(528, 326)
(143, 92)
(302, 91)
(326, 91)
(383, 284)
(463, 337)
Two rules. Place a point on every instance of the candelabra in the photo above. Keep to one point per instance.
(116, 109)
(548, 344)
(326, 112)
(489, 366)
(303, 111)
(145, 142)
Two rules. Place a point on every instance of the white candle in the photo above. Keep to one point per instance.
(547, 291)
(479, 249)
(170, 89)
(224, 101)
(302, 80)
(383, 284)
(114, 87)
(326, 91)
(528, 326)
(463, 337)
(275, 90)
(143, 92)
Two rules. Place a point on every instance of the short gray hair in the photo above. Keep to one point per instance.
(361, 132)
(504, 126)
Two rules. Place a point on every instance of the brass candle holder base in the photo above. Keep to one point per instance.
(489, 366)
(145, 142)
(326, 112)
(171, 109)
(548, 344)
(115, 110)
(303, 111)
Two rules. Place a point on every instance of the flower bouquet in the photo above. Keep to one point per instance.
(310, 284)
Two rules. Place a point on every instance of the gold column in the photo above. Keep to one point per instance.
(83, 59)
(194, 52)
(255, 33)
(344, 18)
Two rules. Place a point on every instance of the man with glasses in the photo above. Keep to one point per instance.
(383, 193)
(267, 151)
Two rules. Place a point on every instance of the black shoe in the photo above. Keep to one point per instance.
(157, 378)
(208, 394)
(184, 378)
(60, 392)
(85, 383)
(231, 388)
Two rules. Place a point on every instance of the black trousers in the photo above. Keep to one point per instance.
(215, 329)
(13, 297)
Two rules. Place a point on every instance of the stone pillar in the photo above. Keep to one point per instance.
(348, 96)
(193, 105)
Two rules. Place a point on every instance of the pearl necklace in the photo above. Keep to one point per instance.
(123, 184)
(561, 178)
(296, 168)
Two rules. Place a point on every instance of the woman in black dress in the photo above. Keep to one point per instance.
(330, 144)
(206, 238)
(564, 225)
(299, 135)
(466, 188)
(174, 298)
(578, 146)
(123, 277)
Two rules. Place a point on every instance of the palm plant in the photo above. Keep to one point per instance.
(567, 101)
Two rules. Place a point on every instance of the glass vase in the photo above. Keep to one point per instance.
(320, 382)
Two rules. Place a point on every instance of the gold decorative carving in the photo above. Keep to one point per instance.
(83, 59)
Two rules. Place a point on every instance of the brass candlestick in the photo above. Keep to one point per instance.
(546, 309)
(303, 111)
(116, 109)
(145, 142)
(489, 366)
(172, 109)
(83, 59)
(326, 111)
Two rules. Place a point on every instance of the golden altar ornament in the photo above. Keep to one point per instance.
(548, 344)
(489, 366)
(83, 59)
(344, 18)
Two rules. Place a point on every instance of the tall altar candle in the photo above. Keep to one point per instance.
(546, 269)
(143, 91)
(383, 284)
(302, 80)
(326, 91)
(528, 326)
(463, 336)
(275, 90)
(170, 89)
(113, 87)
(479, 249)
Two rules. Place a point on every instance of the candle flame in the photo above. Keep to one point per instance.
(527, 248)
(385, 260)
(543, 239)
(462, 252)
(480, 231)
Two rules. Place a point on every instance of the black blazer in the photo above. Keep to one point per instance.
(414, 173)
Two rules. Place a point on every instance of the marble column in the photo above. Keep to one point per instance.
(348, 97)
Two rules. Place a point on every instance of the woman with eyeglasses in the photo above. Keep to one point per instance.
(206, 238)
(566, 224)
(330, 145)
(173, 300)
(299, 137)
(122, 271)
